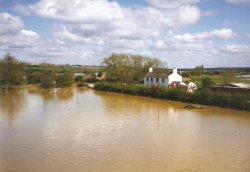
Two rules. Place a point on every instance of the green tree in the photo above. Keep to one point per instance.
(33, 78)
(47, 79)
(128, 68)
(11, 71)
(78, 78)
(99, 74)
(207, 82)
(198, 70)
(64, 80)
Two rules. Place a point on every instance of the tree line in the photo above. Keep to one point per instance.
(128, 68)
(14, 72)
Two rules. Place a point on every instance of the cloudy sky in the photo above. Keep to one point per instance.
(183, 33)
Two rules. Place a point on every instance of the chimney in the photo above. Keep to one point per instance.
(150, 69)
(174, 70)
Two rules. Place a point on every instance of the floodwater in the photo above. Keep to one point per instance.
(71, 130)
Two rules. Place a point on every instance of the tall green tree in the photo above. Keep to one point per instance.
(11, 71)
(128, 68)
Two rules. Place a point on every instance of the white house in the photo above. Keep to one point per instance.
(161, 77)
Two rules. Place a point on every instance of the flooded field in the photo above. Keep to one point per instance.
(71, 130)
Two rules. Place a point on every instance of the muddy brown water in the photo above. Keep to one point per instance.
(71, 130)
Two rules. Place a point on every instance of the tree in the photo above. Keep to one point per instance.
(64, 80)
(128, 68)
(207, 82)
(198, 70)
(78, 78)
(228, 76)
(47, 79)
(11, 71)
(99, 74)
(33, 78)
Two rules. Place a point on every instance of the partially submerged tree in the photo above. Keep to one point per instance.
(64, 80)
(11, 71)
(47, 79)
(128, 68)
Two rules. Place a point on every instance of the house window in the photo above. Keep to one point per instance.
(151, 79)
(157, 79)
(147, 79)
(163, 80)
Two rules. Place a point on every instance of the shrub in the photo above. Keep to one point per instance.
(47, 79)
(78, 78)
(64, 80)
(33, 78)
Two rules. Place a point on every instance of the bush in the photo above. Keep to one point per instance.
(78, 78)
(47, 80)
(33, 78)
(91, 79)
(64, 80)
(99, 74)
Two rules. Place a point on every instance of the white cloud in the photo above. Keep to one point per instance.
(171, 3)
(224, 33)
(13, 35)
(10, 24)
(29, 33)
(85, 31)
(239, 49)
(238, 1)
(62, 33)
(103, 11)
(160, 44)
(76, 11)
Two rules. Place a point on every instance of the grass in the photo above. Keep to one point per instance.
(217, 79)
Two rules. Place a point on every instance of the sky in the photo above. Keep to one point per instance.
(182, 33)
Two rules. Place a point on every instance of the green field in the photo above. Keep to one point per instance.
(63, 68)
(218, 80)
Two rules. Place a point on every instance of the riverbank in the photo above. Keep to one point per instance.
(239, 101)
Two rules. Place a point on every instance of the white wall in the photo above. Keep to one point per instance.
(174, 77)
(150, 83)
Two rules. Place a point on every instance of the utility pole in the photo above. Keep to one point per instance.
(202, 76)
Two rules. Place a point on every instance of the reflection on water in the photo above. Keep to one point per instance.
(64, 94)
(11, 102)
(83, 130)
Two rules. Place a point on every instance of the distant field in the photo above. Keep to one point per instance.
(218, 79)
(61, 69)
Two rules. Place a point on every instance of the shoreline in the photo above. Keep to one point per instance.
(202, 97)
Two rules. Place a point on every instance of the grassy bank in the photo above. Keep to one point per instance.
(240, 101)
